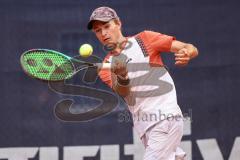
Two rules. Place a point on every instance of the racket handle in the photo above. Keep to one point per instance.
(103, 65)
(107, 65)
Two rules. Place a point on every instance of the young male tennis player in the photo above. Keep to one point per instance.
(145, 84)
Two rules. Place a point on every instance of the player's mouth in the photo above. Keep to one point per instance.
(106, 39)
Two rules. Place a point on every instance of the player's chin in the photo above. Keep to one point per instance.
(110, 44)
(105, 43)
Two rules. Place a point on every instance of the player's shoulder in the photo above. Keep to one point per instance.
(147, 34)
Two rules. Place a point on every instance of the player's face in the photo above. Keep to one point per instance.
(107, 32)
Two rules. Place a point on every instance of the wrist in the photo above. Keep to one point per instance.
(192, 51)
(123, 80)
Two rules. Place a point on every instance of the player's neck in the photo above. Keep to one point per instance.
(119, 46)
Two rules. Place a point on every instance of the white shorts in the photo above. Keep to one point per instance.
(162, 141)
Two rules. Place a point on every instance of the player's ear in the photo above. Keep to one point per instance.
(118, 22)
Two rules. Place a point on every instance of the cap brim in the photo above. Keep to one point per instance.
(90, 23)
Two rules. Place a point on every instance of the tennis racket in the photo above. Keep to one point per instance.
(50, 65)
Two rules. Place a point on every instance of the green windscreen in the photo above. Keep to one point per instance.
(47, 65)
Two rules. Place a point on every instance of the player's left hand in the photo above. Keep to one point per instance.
(120, 68)
(182, 57)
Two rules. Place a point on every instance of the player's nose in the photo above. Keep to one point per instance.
(104, 33)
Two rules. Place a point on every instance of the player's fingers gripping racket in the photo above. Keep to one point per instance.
(50, 65)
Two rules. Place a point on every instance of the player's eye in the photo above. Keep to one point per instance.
(106, 26)
(47, 62)
(97, 30)
(32, 62)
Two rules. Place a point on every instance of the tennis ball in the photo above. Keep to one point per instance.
(85, 50)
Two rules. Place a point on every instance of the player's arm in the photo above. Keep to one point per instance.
(121, 84)
(183, 52)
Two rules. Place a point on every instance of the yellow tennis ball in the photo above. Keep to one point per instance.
(85, 50)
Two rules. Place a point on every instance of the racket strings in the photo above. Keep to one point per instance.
(48, 66)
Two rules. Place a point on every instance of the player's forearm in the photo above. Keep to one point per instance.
(122, 86)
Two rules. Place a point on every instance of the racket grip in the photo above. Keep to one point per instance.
(103, 65)
(108, 65)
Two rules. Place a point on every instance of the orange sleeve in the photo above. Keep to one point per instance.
(157, 41)
(154, 43)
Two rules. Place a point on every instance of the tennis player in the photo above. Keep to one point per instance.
(145, 84)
